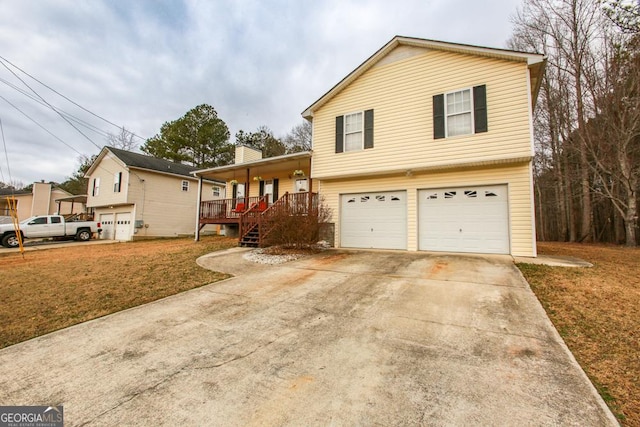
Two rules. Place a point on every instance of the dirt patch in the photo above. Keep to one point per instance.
(55, 288)
(597, 312)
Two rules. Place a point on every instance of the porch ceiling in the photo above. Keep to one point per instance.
(266, 167)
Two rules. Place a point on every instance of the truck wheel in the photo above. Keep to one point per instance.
(10, 241)
(83, 235)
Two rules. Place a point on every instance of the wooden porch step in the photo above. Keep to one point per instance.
(251, 239)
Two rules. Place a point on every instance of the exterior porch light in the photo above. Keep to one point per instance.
(233, 182)
(257, 178)
(298, 172)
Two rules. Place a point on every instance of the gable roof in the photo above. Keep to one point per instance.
(12, 192)
(141, 161)
(535, 61)
(144, 162)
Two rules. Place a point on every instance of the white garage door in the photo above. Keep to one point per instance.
(374, 220)
(464, 219)
(123, 226)
(106, 222)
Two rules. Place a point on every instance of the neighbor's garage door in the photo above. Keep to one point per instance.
(106, 222)
(374, 220)
(123, 226)
(464, 219)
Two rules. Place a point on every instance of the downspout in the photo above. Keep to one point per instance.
(198, 209)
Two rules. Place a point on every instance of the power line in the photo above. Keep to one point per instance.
(46, 130)
(70, 116)
(68, 99)
(39, 125)
(51, 106)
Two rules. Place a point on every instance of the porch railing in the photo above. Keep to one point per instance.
(226, 208)
(260, 220)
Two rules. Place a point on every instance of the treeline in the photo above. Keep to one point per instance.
(587, 120)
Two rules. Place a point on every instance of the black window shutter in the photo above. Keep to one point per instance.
(368, 129)
(438, 116)
(261, 188)
(275, 189)
(339, 134)
(480, 108)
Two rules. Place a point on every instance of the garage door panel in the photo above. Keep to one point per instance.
(464, 219)
(123, 226)
(374, 220)
(107, 222)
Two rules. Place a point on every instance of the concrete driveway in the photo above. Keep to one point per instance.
(341, 338)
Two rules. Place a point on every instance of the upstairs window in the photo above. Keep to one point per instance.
(185, 185)
(461, 112)
(117, 179)
(458, 111)
(95, 188)
(354, 131)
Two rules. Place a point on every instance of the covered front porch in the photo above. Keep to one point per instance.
(255, 190)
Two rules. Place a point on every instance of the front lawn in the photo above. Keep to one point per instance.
(597, 312)
(55, 288)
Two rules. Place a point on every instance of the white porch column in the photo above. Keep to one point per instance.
(198, 209)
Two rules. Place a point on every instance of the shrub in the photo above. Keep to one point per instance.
(296, 228)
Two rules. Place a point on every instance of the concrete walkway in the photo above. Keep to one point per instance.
(340, 338)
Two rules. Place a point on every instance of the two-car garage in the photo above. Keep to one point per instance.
(459, 219)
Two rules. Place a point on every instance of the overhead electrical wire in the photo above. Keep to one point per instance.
(64, 115)
(51, 106)
(46, 130)
(65, 97)
(70, 116)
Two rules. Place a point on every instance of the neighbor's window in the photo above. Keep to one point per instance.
(185, 185)
(353, 131)
(458, 113)
(96, 187)
(117, 179)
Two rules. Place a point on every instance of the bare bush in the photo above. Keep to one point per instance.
(297, 230)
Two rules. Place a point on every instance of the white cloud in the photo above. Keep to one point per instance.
(142, 63)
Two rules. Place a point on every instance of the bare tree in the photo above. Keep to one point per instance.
(299, 138)
(568, 32)
(123, 140)
(615, 136)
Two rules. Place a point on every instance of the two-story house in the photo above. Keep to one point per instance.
(136, 196)
(428, 146)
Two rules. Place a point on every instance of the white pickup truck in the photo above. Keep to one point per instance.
(48, 226)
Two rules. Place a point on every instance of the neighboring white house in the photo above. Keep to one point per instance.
(137, 196)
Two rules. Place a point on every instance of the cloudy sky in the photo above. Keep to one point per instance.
(139, 63)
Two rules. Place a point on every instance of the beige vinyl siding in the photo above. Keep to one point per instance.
(400, 93)
(106, 170)
(25, 204)
(161, 203)
(517, 178)
(41, 202)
